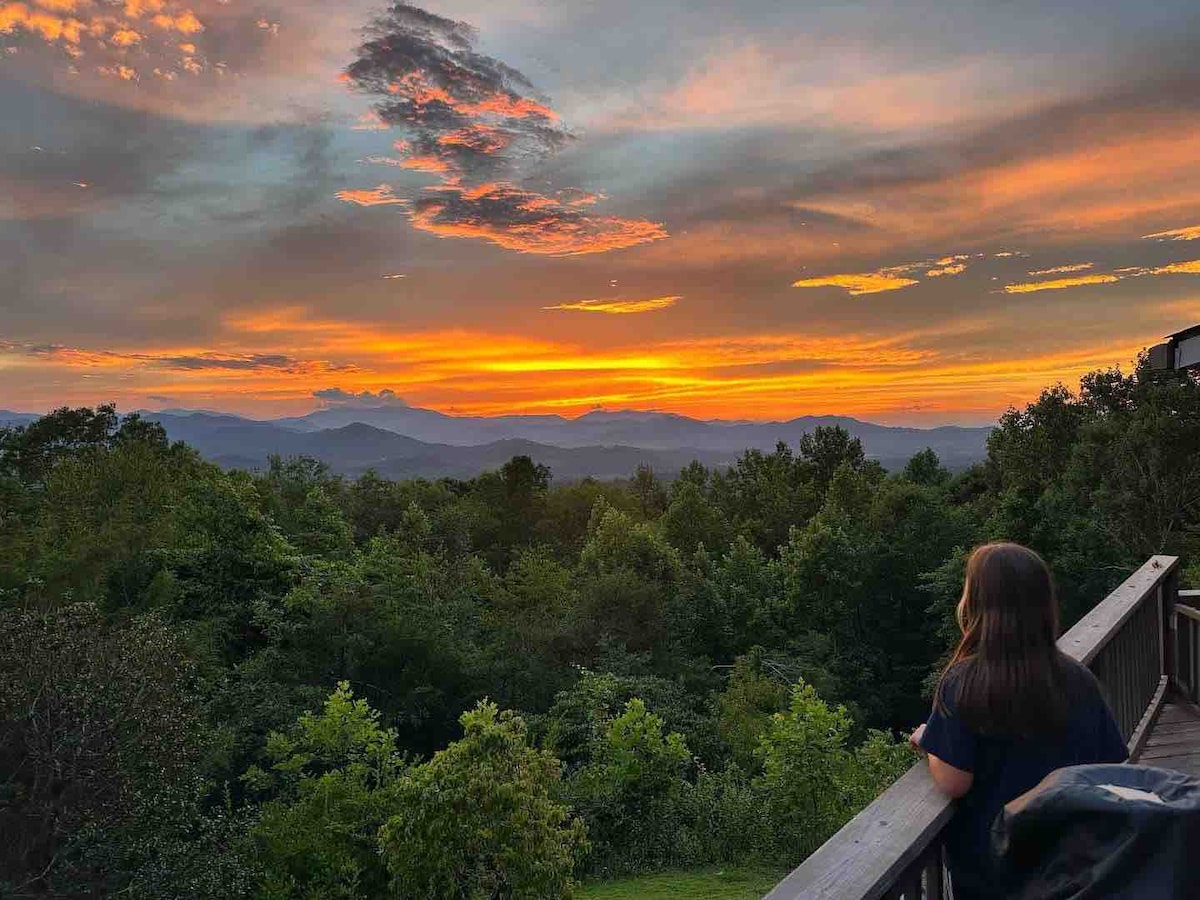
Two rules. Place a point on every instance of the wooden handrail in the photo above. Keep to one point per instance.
(882, 850)
(873, 849)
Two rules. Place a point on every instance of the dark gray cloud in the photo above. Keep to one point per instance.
(339, 397)
(233, 363)
(474, 121)
(470, 112)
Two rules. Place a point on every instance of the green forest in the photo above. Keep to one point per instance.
(286, 684)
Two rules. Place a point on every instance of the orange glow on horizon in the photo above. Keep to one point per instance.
(475, 373)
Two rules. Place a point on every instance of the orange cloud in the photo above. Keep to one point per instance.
(1058, 284)
(40, 22)
(953, 269)
(478, 136)
(126, 37)
(618, 307)
(426, 164)
(108, 32)
(184, 22)
(858, 284)
(125, 73)
(137, 8)
(1062, 270)
(1190, 233)
(380, 196)
(1192, 267)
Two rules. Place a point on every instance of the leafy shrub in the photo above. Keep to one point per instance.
(480, 819)
(723, 818)
(334, 777)
(630, 792)
(813, 781)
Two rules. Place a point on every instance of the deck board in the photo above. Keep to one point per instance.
(1174, 739)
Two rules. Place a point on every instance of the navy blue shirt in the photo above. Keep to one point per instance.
(1006, 767)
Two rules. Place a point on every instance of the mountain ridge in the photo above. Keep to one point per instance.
(402, 442)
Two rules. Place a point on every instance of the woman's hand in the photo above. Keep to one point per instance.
(914, 739)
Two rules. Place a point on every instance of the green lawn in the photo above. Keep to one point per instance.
(714, 884)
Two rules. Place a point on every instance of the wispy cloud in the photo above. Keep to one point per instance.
(246, 363)
(1058, 284)
(1189, 267)
(472, 121)
(618, 307)
(1190, 233)
(166, 360)
(859, 283)
(943, 271)
(777, 80)
(891, 278)
(1062, 270)
(949, 265)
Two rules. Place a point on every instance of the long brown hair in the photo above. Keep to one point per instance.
(1007, 675)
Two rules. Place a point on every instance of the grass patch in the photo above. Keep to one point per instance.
(711, 884)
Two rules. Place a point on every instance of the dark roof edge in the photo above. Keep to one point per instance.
(1185, 334)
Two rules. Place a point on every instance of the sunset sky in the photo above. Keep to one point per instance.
(914, 212)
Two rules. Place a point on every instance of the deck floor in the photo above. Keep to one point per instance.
(1174, 739)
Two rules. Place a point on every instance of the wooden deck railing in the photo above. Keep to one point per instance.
(893, 848)
(1187, 644)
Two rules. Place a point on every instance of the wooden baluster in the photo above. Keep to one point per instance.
(1149, 633)
(1183, 650)
(1132, 713)
(1193, 668)
(1194, 659)
(1182, 679)
(1143, 675)
(934, 874)
(1149, 676)
(1192, 629)
(1168, 590)
(1123, 681)
(912, 883)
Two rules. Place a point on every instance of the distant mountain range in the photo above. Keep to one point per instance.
(408, 442)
